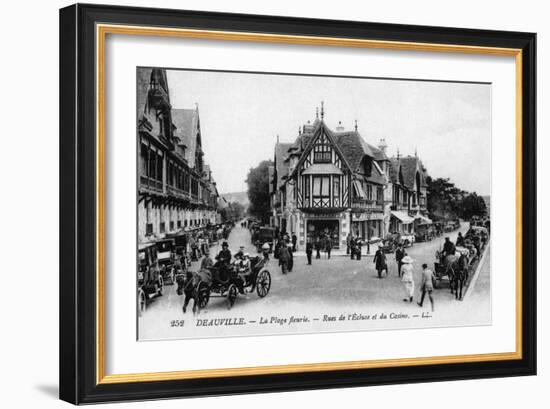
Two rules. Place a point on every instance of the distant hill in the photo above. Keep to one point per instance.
(487, 200)
(240, 197)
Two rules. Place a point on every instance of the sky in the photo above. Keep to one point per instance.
(448, 124)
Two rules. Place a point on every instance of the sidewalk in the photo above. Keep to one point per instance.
(336, 253)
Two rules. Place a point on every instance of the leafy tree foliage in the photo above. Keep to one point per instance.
(258, 190)
(232, 212)
(446, 201)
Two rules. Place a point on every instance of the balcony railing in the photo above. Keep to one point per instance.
(368, 204)
(150, 183)
(177, 192)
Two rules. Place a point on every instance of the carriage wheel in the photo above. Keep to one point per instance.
(231, 296)
(263, 283)
(160, 287)
(142, 302)
(204, 295)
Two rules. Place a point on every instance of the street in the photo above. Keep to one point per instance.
(333, 284)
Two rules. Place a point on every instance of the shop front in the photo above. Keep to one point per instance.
(368, 226)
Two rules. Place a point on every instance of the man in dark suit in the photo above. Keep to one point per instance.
(380, 262)
(309, 250)
(399, 254)
(328, 245)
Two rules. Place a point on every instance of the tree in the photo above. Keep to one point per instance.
(232, 212)
(473, 205)
(446, 201)
(258, 190)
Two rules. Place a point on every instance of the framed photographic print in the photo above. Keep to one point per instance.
(257, 203)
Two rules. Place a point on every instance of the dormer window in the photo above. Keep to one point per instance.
(322, 152)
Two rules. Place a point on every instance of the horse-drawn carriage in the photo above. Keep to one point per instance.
(455, 267)
(225, 281)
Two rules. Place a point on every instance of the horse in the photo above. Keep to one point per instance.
(188, 285)
(455, 267)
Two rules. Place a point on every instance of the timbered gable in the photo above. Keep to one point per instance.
(322, 174)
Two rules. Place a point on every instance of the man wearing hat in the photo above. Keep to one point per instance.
(239, 254)
(427, 285)
(407, 278)
(399, 254)
(224, 256)
(380, 262)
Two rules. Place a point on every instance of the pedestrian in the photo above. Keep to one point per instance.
(348, 244)
(407, 278)
(309, 251)
(284, 257)
(380, 262)
(290, 259)
(318, 246)
(294, 241)
(328, 245)
(427, 285)
(353, 247)
(399, 254)
(358, 245)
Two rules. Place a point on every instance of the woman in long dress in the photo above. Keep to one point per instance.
(407, 278)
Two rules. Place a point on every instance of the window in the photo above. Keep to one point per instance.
(162, 227)
(306, 189)
(171, 225)
(149, 228)
(379, 194)
(369, 192)
(179, 224)
(322, 152)
(321, 186)
(144, 160)
(336, 187)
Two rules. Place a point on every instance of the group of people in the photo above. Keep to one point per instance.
(405, 273)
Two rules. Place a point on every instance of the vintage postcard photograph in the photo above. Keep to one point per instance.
(280, 203)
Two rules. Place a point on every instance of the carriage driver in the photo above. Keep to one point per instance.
(449, 247)
(224, 256)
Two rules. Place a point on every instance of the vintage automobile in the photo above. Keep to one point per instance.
(166, 257)
(392, 240)
(149, 278)
(265, 235)
(424, 232)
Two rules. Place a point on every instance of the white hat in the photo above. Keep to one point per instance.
(246, 254)
(407, 260)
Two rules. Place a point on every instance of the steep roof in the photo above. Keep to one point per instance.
(409, 165)
(186, 121)
(281, 166)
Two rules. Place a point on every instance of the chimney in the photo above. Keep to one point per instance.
(382, 145)
(339, 128)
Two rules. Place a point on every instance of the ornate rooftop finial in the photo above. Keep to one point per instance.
(397, 153)
(322, 110)
(356, 125)
(277, 138)
(299, 131)
(317, 112)
(415, 152)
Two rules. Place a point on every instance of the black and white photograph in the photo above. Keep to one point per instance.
(273, 203)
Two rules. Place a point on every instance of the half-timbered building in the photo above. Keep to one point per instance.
(329, 183)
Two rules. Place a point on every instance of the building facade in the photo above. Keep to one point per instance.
(176, 190)
(331, 182)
